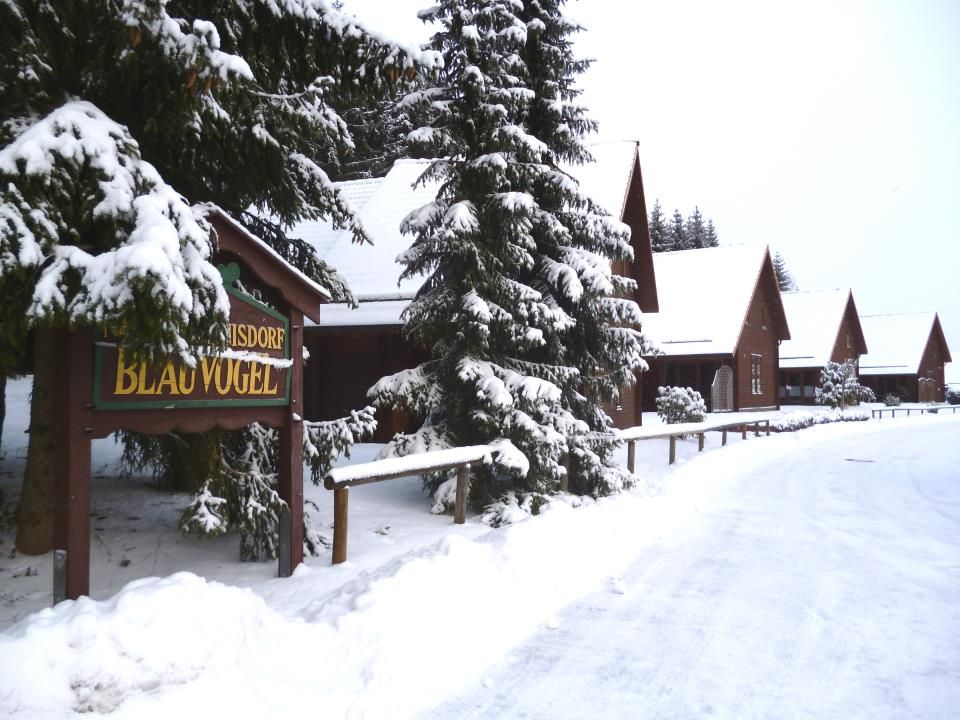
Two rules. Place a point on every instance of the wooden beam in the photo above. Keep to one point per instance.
(290, 478)
(72, 428)
(341, 501)
(463, 489)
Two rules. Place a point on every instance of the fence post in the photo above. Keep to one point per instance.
(463, 486)
(283, 551)
(673, 449)
(756, 429)
(340, 501)
(743, 432)
(724, 441)
(632, 455)
(768, 428)
(699, 442)
(59, 576)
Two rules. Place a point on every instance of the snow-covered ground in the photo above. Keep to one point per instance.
(777, 577)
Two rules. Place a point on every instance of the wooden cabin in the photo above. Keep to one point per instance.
(908, 352)
(824, 327)
(351, 349)
(719, 327)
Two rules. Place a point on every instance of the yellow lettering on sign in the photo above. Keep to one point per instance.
(168, 380)
(142, 388)
(223, 387)
(256, 379)
(243, 387)
(272, 338)
(280, 338)
(185, 373)
(126, 377)
(208, 368)
(267, 390)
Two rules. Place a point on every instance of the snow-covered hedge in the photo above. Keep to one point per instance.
(891, 400)
(788, 422)
(680, 405)
(953, 395)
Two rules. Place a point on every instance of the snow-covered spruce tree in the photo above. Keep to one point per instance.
(696, 230)
(519, 309)
(784, 278)
(711, 237)
(105, 108)
(659, 232)
(678, 232)
(840, 386)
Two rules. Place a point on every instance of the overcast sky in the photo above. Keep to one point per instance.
(827, 130)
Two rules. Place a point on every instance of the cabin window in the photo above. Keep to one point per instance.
(849, 342)
(764, 317)
(755, 374)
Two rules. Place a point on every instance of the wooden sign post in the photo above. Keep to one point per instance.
(259, 379)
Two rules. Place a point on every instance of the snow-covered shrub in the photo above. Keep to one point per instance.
(788, 422)
(891, 400)
(953, 395)
(866, 395)
(840, 387)
(680, 405)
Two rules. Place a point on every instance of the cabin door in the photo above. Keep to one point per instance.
(721, 392)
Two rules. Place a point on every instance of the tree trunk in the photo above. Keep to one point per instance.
(35, 525)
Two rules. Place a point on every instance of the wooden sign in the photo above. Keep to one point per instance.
(255, 371)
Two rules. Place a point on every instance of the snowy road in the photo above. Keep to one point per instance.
(826, 585)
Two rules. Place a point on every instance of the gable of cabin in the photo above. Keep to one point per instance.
(641, 267)
(757, 355)
(850, 343)
(936, 354)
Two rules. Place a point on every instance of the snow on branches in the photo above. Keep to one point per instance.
(518, 306)
(105, 239)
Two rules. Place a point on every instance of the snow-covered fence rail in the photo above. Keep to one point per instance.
(878, 412)
(342, 478)
(650, 432)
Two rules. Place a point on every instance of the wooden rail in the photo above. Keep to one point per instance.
(341, 479)
(635, 434)
(934, 409)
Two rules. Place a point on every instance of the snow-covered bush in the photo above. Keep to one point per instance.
(840, 387)
(788, 422)
(953, 395)
(680, 405)
(891, 400)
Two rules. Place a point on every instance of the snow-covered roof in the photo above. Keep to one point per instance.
(815, 318)
(321, 234)
(704, 298)
(897, 342)
(372, 272)
(368, 313)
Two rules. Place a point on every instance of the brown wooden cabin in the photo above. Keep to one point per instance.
(824, 326)
(908, 352)
(720, 323)
(351, 349)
